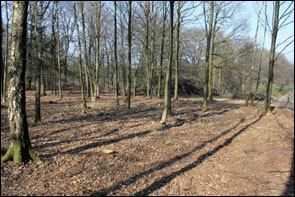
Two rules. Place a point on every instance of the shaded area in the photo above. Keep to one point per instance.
(166, 179)
(165, 164)
(289, 191)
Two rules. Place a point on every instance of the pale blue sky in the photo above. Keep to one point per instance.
(285, 32)
(249, 10)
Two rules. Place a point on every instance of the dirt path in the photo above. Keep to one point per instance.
(231, 150)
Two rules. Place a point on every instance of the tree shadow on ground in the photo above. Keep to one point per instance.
(289, 191)
(158, 184)
(166, 179)
(111, 141)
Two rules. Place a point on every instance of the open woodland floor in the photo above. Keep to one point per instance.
(230, 151)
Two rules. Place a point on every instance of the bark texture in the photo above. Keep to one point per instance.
(20, 148)
(267, 103)
(167, 99)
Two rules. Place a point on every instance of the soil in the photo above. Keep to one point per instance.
(230, 150)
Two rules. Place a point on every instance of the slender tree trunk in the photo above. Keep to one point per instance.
(86, 63)
(58, 54)
(38, 31)
(123, 58)
(116, 58)
(260, 64)
(167, 99)
(43, 85)
(210, 95)
(97, 62)
(147, 11)
(253, 57)
(53, 52)
(129, 58)
(135, 82)
(6, 57)
(267, 103)
(162, 51)
(80, 61)
(20, 148)
(219, 79)
(177, 51)
(208, 35)
(151, 74)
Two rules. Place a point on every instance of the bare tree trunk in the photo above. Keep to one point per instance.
(53, 52)
(116, 58)
(219, 79)
(208, 36)
(86, 63)
(123, 58)
(267, 103)
(210, 96)
(253, 57)
(20, 148)
(147, 11)
(162, 51)
(167, 99)
(135, 82)
(177, 51)
(6, 57)
(97, 62)
(129, 58)
(151, 73)
(58, 54)
(38, 31)
(80, 61)
(260, 64)
(43, 85)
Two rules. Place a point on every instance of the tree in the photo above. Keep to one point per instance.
(283, 18)
(38, 32)
(6, 57)
(129, 57)
(260, 60)
(80, 61)
(97, 62)
(162, 49)
(115, 53)
(86, 62)
(58, 53)
(20, 148)
(208, 38)
(167, 99)
(147, 12)
(177, 52)
(253, 57)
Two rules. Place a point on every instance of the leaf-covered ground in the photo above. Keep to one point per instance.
(231, 150)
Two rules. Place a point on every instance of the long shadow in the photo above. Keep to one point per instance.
(168, 163)
(109, 133)
(59, 131)
(289, 191)
(166, 179)
(100, 143)
(105, 117)
(52, 144)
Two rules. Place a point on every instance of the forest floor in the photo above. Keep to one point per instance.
(231, 150)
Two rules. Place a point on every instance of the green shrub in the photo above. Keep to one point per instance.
(287, 88)
(262, 90)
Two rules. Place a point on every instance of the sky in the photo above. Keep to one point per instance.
(249, 9)
(285, 32)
